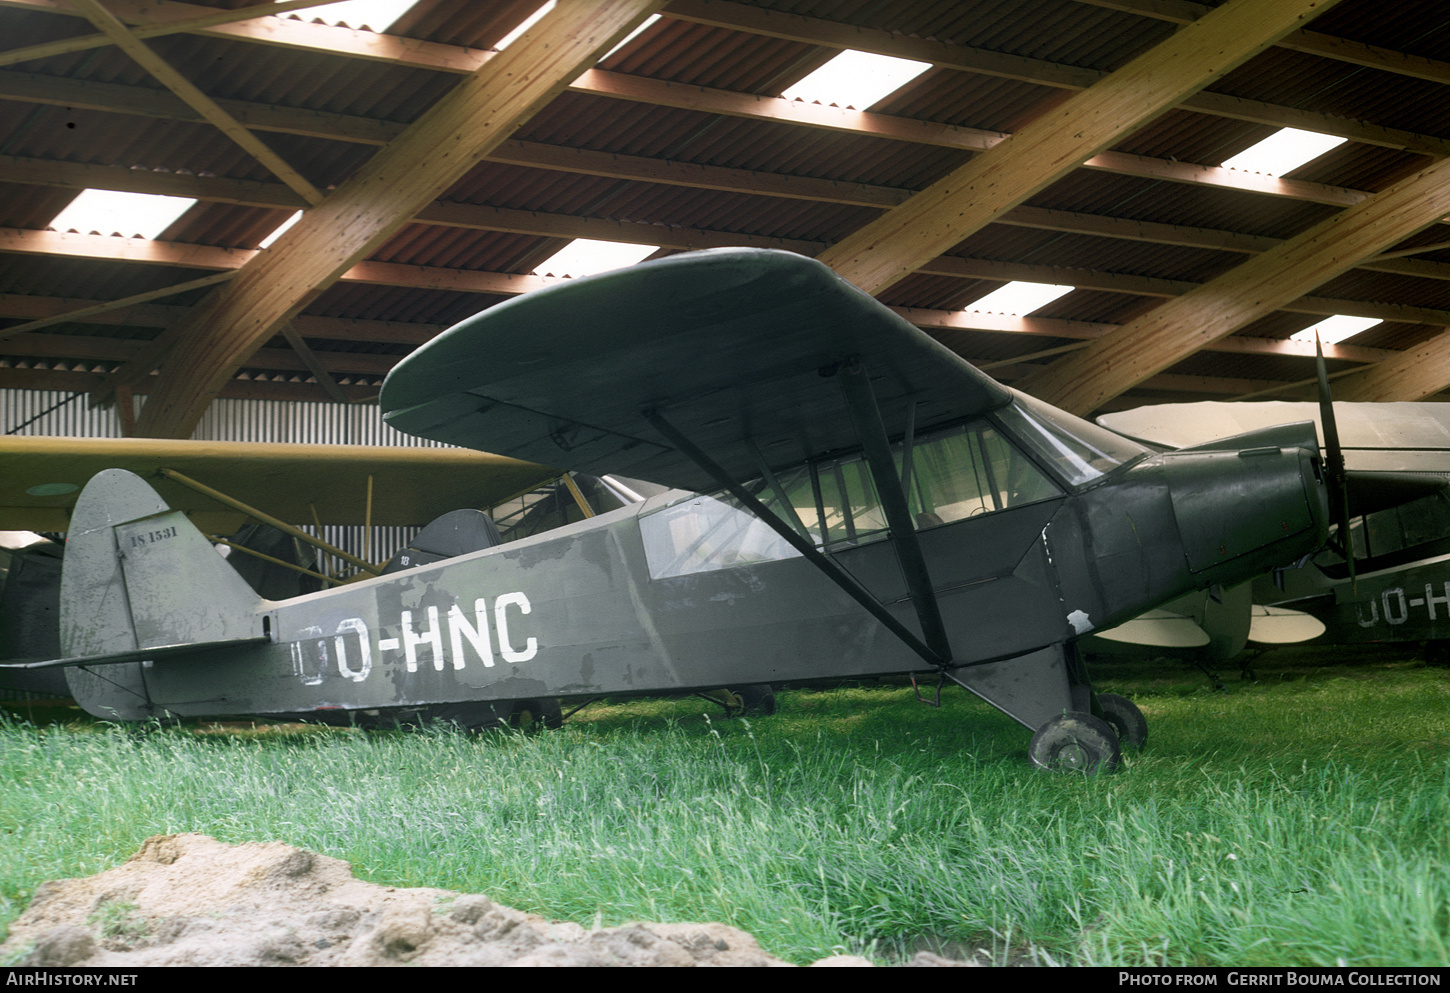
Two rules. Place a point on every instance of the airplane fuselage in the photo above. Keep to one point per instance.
(595, 608)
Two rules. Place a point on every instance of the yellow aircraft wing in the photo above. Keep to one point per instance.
(40, 478)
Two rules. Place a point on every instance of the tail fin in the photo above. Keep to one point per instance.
(139, 575)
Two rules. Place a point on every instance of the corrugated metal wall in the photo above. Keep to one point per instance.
(58, 413)
(54, 412)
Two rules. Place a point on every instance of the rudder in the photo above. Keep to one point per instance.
(139, 575)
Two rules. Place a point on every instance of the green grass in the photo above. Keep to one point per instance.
(1296, 820)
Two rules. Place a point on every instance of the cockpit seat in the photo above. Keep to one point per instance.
(455, 533)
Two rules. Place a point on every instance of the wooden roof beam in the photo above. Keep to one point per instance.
(73, 175)
(106, 248)
(174, 81)
(287, 33)
(1084, 381)
(67, 45)
(972, 196)
(1311, 42)
(1149, 286)
(1414, 374)
(447, 58)
(136, 100)
(452, 58)
(382, 196)
(817, 31)
(95, 310)
(934, 321)
(152, 315)
(61, 310)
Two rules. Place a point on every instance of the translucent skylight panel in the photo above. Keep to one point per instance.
(1285, 150)
(1019, 298)
(280, 229)
(856, 79)
(379, 15)
(132, 215)
(1333, 330)
(649, 22)
(583, 257)
(529, 22)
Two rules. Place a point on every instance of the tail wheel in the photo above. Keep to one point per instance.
(536, 715)
(1125, 718)
(1075, 742)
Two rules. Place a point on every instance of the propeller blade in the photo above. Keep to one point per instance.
(1334, 473)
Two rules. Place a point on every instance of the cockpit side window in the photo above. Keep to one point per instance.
(954, 474)
(972, 470)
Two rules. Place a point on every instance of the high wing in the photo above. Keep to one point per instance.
(733, 347)
(40, 477)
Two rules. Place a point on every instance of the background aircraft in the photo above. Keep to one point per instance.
(1401, 580)
(879, 507)
(212, 483)
(40, 478)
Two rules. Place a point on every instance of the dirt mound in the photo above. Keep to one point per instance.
(191, 900)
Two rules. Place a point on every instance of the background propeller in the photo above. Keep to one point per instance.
(1334, 474)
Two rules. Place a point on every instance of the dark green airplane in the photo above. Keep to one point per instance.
(849, 499)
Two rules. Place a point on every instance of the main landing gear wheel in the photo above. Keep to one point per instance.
(757, 698)
(537, 715)
(1125, 718)
(1075, 742)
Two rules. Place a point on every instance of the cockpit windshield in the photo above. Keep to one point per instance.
(1079, 450)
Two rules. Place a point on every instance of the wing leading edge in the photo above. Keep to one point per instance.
(734, 346)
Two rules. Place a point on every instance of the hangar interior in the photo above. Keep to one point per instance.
(432, 160)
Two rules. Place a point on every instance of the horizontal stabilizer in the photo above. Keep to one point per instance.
(1158, 629)
(198, 649)
(1282, 626)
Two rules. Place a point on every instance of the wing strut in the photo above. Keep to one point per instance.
(797, 541)
(866, 417)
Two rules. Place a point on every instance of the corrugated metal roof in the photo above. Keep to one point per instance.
(323, 100)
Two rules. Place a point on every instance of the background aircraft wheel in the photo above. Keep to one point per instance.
(536, 715)
(1437, 653)
(758, 698)
(1125, 718)
(1075, 742)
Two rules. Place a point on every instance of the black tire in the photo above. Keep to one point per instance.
(757, 698)
(1437, 653)
(540, 714)
(1125, 718)
(1076, 742)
